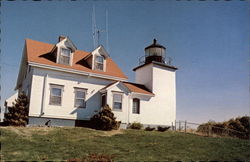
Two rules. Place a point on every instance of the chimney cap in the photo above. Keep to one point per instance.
(61, 37)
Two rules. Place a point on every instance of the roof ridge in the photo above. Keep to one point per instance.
(108, 85)
(50, 44)
(38, 41)
(38, 52)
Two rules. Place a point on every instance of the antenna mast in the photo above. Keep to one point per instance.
(107, 34)
(97, 32)
(94, 27)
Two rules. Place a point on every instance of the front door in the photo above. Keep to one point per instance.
(104, 99)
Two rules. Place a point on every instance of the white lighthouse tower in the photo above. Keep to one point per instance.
(158, 75)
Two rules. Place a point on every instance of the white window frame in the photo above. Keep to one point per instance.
(63, 55)
(137, 110)
(61, 87)
(82, 90)
(97, 62)
(117, 93)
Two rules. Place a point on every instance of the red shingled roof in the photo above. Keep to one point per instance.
(39, 52)
(133, 87)
(137, 88)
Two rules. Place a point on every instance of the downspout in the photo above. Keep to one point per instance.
(129, 97)
(44, 94)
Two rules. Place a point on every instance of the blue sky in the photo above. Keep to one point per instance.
(208, 41)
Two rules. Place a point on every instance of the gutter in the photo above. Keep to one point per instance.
(129, 98)
(44, 94)
(143, 94)
(76, 71)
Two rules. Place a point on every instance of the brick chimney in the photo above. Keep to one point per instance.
(61, 37)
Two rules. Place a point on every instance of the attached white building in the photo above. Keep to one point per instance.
(67, 86)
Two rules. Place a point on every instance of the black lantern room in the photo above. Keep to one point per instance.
(155, 52)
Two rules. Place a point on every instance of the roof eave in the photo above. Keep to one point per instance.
(144, 94)
(77, 71)
(157, 63)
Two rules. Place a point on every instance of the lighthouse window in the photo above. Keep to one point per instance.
(99, 62)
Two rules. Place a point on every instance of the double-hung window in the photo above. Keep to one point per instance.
(99, 63)
(65, 56)
(136, 106)
(55, 94)
(117, 101)
(80, 95)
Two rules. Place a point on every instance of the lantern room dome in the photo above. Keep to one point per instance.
(155, 45)
(155, 52)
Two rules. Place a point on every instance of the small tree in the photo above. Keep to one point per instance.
(104, 120)
(17, 114)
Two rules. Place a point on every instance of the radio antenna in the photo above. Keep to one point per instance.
(107, 33)
(95, 31)
(94, 27)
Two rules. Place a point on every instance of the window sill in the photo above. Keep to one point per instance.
(99, 70)
(55, 104)
(64, 64)
(119, 110)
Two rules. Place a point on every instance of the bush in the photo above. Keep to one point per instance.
(149, 129)
(203, 128)
(104, 120)
(18, 113)
(162, 129)
(245, 121)
(136, 125)
(238, 127)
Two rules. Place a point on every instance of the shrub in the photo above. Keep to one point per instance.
(17, 114)
(104, 120)
(162, 129)
(149, 129)
(136, 125)
(203, 128)
(238, 127)
(245, 122)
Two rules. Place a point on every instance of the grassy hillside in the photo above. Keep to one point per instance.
(126, 145)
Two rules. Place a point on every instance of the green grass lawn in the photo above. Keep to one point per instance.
(123, 145)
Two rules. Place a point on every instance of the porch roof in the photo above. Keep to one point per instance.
(132, 87)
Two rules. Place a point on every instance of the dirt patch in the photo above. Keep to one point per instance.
(19, 131)
(28, 131)
(40, 130)
(112, 133)
(16, 153)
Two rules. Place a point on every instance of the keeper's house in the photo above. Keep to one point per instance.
(66, 85)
